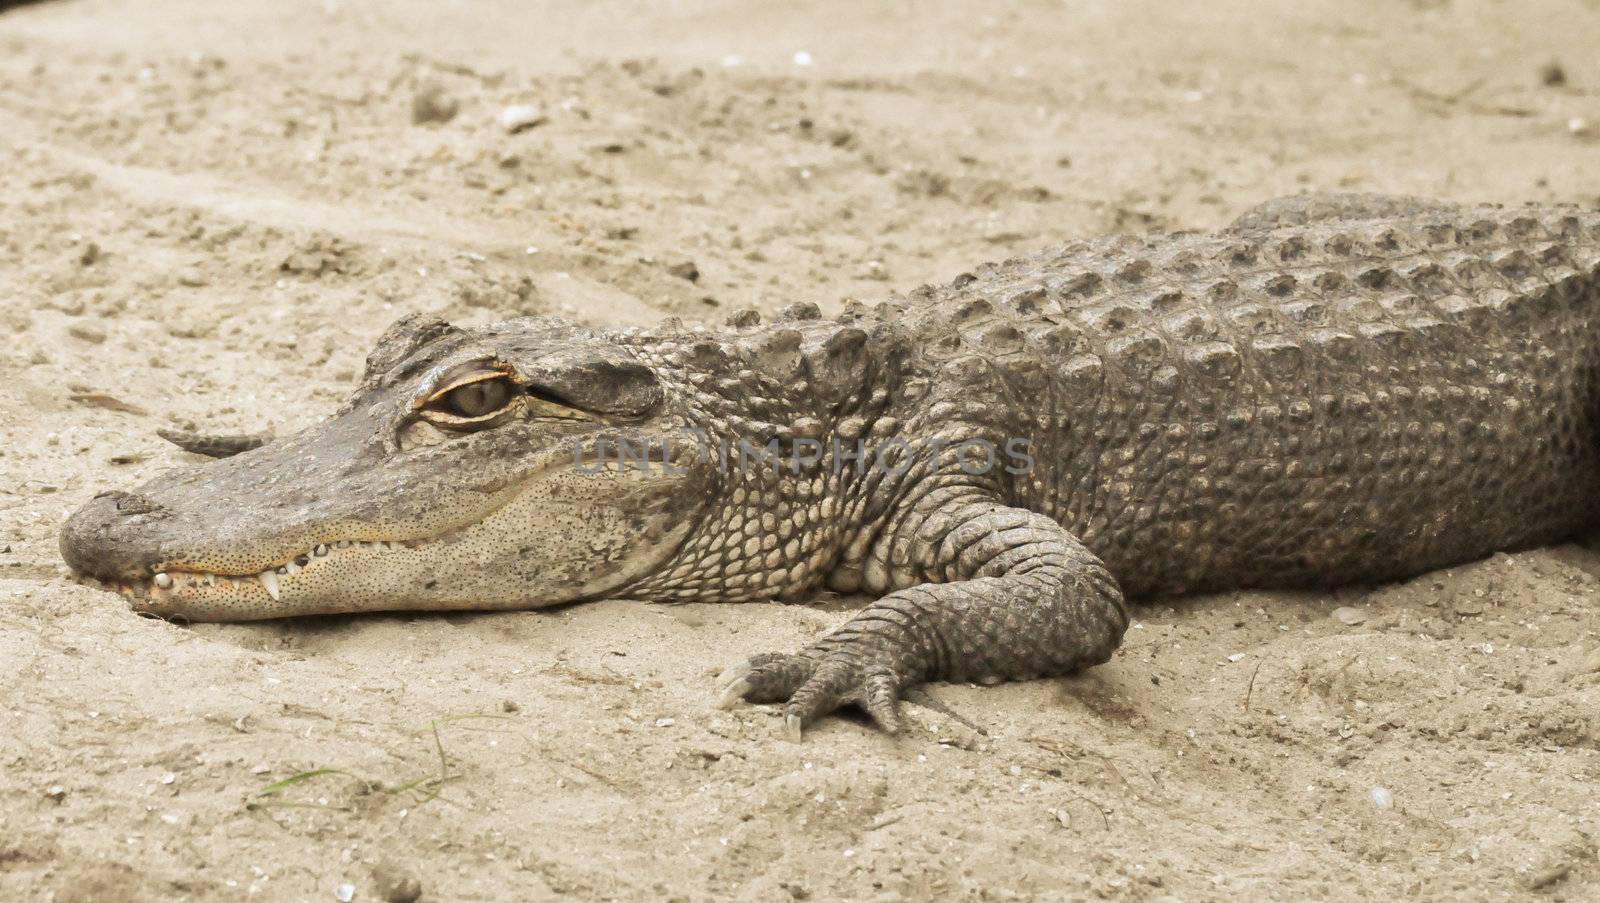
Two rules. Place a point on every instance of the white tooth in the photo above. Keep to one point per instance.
(320, 551)
(269, 580)
(290, 568)
(164, 580)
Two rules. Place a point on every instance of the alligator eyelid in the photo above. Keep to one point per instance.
(487, 372)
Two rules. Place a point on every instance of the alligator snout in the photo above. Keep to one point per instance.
(110, 537)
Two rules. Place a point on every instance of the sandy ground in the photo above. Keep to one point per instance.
(209, 211)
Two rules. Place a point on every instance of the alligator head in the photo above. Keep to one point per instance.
(461, 474)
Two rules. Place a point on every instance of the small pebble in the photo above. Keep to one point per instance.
(345, 892)
(1348, 616)
(520, 118)
(396, 885)
(1579, 126)
(875, 270)
(433, 104)
(191, 277)
(56, 792)
(685, 270)
(1553, 75)
(1382, 798)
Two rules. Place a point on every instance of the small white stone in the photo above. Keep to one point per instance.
(520, 117)
(1348, 616)
(345, 892)
(801, 58)
(1579, 126)
(1382, 798)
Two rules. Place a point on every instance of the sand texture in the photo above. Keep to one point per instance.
(208, 212)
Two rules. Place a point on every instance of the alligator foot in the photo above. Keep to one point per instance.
(1030, 601)
(817, 682)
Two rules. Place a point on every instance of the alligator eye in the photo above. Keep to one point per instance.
(476, 399)
(479, 399)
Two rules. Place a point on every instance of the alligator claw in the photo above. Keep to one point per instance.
(812, 687)
(733, 693)
(731, 675)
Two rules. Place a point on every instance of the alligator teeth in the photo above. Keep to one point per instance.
(163, 580)
(269, 581)
(320, 551)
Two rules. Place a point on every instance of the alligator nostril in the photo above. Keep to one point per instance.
(128, 503)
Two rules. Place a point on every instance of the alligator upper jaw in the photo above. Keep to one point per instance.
(211, 595)
(165, 584)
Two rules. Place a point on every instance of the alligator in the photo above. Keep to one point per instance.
(1334, 390)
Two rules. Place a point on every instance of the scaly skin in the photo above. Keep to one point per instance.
(1336, 389)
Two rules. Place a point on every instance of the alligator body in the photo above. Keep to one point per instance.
(1337, 389)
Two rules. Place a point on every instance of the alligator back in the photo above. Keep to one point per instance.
(1314, 403)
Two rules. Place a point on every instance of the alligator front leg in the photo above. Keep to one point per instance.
(1022, 598)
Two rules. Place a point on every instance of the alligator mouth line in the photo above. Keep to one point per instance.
(161, 584)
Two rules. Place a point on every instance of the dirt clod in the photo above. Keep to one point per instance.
(395, 884)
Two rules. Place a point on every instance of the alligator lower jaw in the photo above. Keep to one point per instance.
(152, 591)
